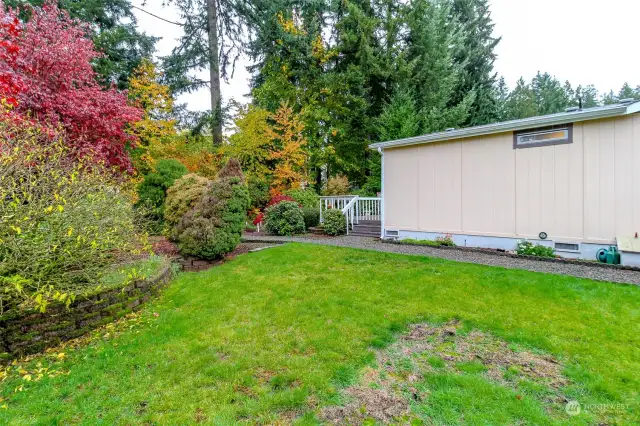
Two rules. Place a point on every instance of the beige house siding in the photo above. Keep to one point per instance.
(585, 191)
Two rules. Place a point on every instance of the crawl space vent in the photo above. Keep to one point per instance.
(567, 247)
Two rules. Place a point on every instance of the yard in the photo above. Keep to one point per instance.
(288, 334)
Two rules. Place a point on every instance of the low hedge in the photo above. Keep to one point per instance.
(284, 218)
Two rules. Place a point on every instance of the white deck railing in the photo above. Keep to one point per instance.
(353, 207)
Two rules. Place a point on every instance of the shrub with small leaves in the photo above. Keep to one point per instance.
(63, 223)
(311, 216)
(527, 248)
(213, 227)
(284, 218)
(185, 193)
(334, 222)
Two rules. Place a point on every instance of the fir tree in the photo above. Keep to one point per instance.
(476, 56)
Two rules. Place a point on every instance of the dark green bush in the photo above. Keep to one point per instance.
(311, 216)
(334, 222)
(284, 218)
(258, 192)
(214, 226)
(305, 197)
(527, 248)
(152, 191)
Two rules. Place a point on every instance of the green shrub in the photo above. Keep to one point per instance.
(527, 248)
(258, 192)
(305, 197)
(284, 218)
(334, 222)
(438, 242)
(311, 216)
(152, 191)
(185, 193)
(213, 227)
(62, 224)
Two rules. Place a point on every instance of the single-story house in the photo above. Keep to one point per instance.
(570, 181)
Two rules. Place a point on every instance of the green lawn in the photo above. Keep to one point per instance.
(274, 336)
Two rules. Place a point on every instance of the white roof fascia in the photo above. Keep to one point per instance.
(507, 126)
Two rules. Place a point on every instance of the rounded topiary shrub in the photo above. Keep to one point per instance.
(311, 216)
(284, 218)
(213, 227)
(185, 193)
(334, 222)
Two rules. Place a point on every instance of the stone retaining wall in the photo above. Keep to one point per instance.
(23, 333)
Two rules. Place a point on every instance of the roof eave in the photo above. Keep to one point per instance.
(509, 126)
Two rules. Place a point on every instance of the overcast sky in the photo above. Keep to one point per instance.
(583, 41)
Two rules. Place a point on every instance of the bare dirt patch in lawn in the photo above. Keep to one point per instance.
(385, 392)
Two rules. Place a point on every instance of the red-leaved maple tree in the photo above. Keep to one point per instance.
(46, 73)
(10, 83)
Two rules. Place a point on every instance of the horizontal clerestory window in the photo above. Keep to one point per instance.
(554, 135)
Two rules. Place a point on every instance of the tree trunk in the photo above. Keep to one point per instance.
(214, 71)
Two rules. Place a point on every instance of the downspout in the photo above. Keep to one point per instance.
(381, 151)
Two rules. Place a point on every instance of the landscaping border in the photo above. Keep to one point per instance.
(492, 252)
(495, 252)
(24, 333)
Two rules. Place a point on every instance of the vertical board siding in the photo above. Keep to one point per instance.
(401, 188)
(589, 189)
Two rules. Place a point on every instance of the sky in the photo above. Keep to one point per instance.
(583, 41)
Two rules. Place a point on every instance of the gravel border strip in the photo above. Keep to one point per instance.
(592, 264)
(594, 271)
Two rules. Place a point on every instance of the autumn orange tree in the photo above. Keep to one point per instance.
(289, 150)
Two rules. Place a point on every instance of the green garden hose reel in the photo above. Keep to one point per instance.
(611, 256)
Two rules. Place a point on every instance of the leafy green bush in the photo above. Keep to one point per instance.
(152, 191)
(185, 193)
(311, 216)
(258, 192)
(305, 197)
(62, 224)
(334, 222)
(527, 248)
(284, 218)
(213, 227)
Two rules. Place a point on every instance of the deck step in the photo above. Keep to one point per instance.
(316, 230)
(366, 228)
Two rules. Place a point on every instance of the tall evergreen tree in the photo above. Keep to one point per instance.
(550, 96)
(587, 96)
(476, 56)
(431, 41)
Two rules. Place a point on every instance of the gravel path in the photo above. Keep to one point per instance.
(582, 271)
